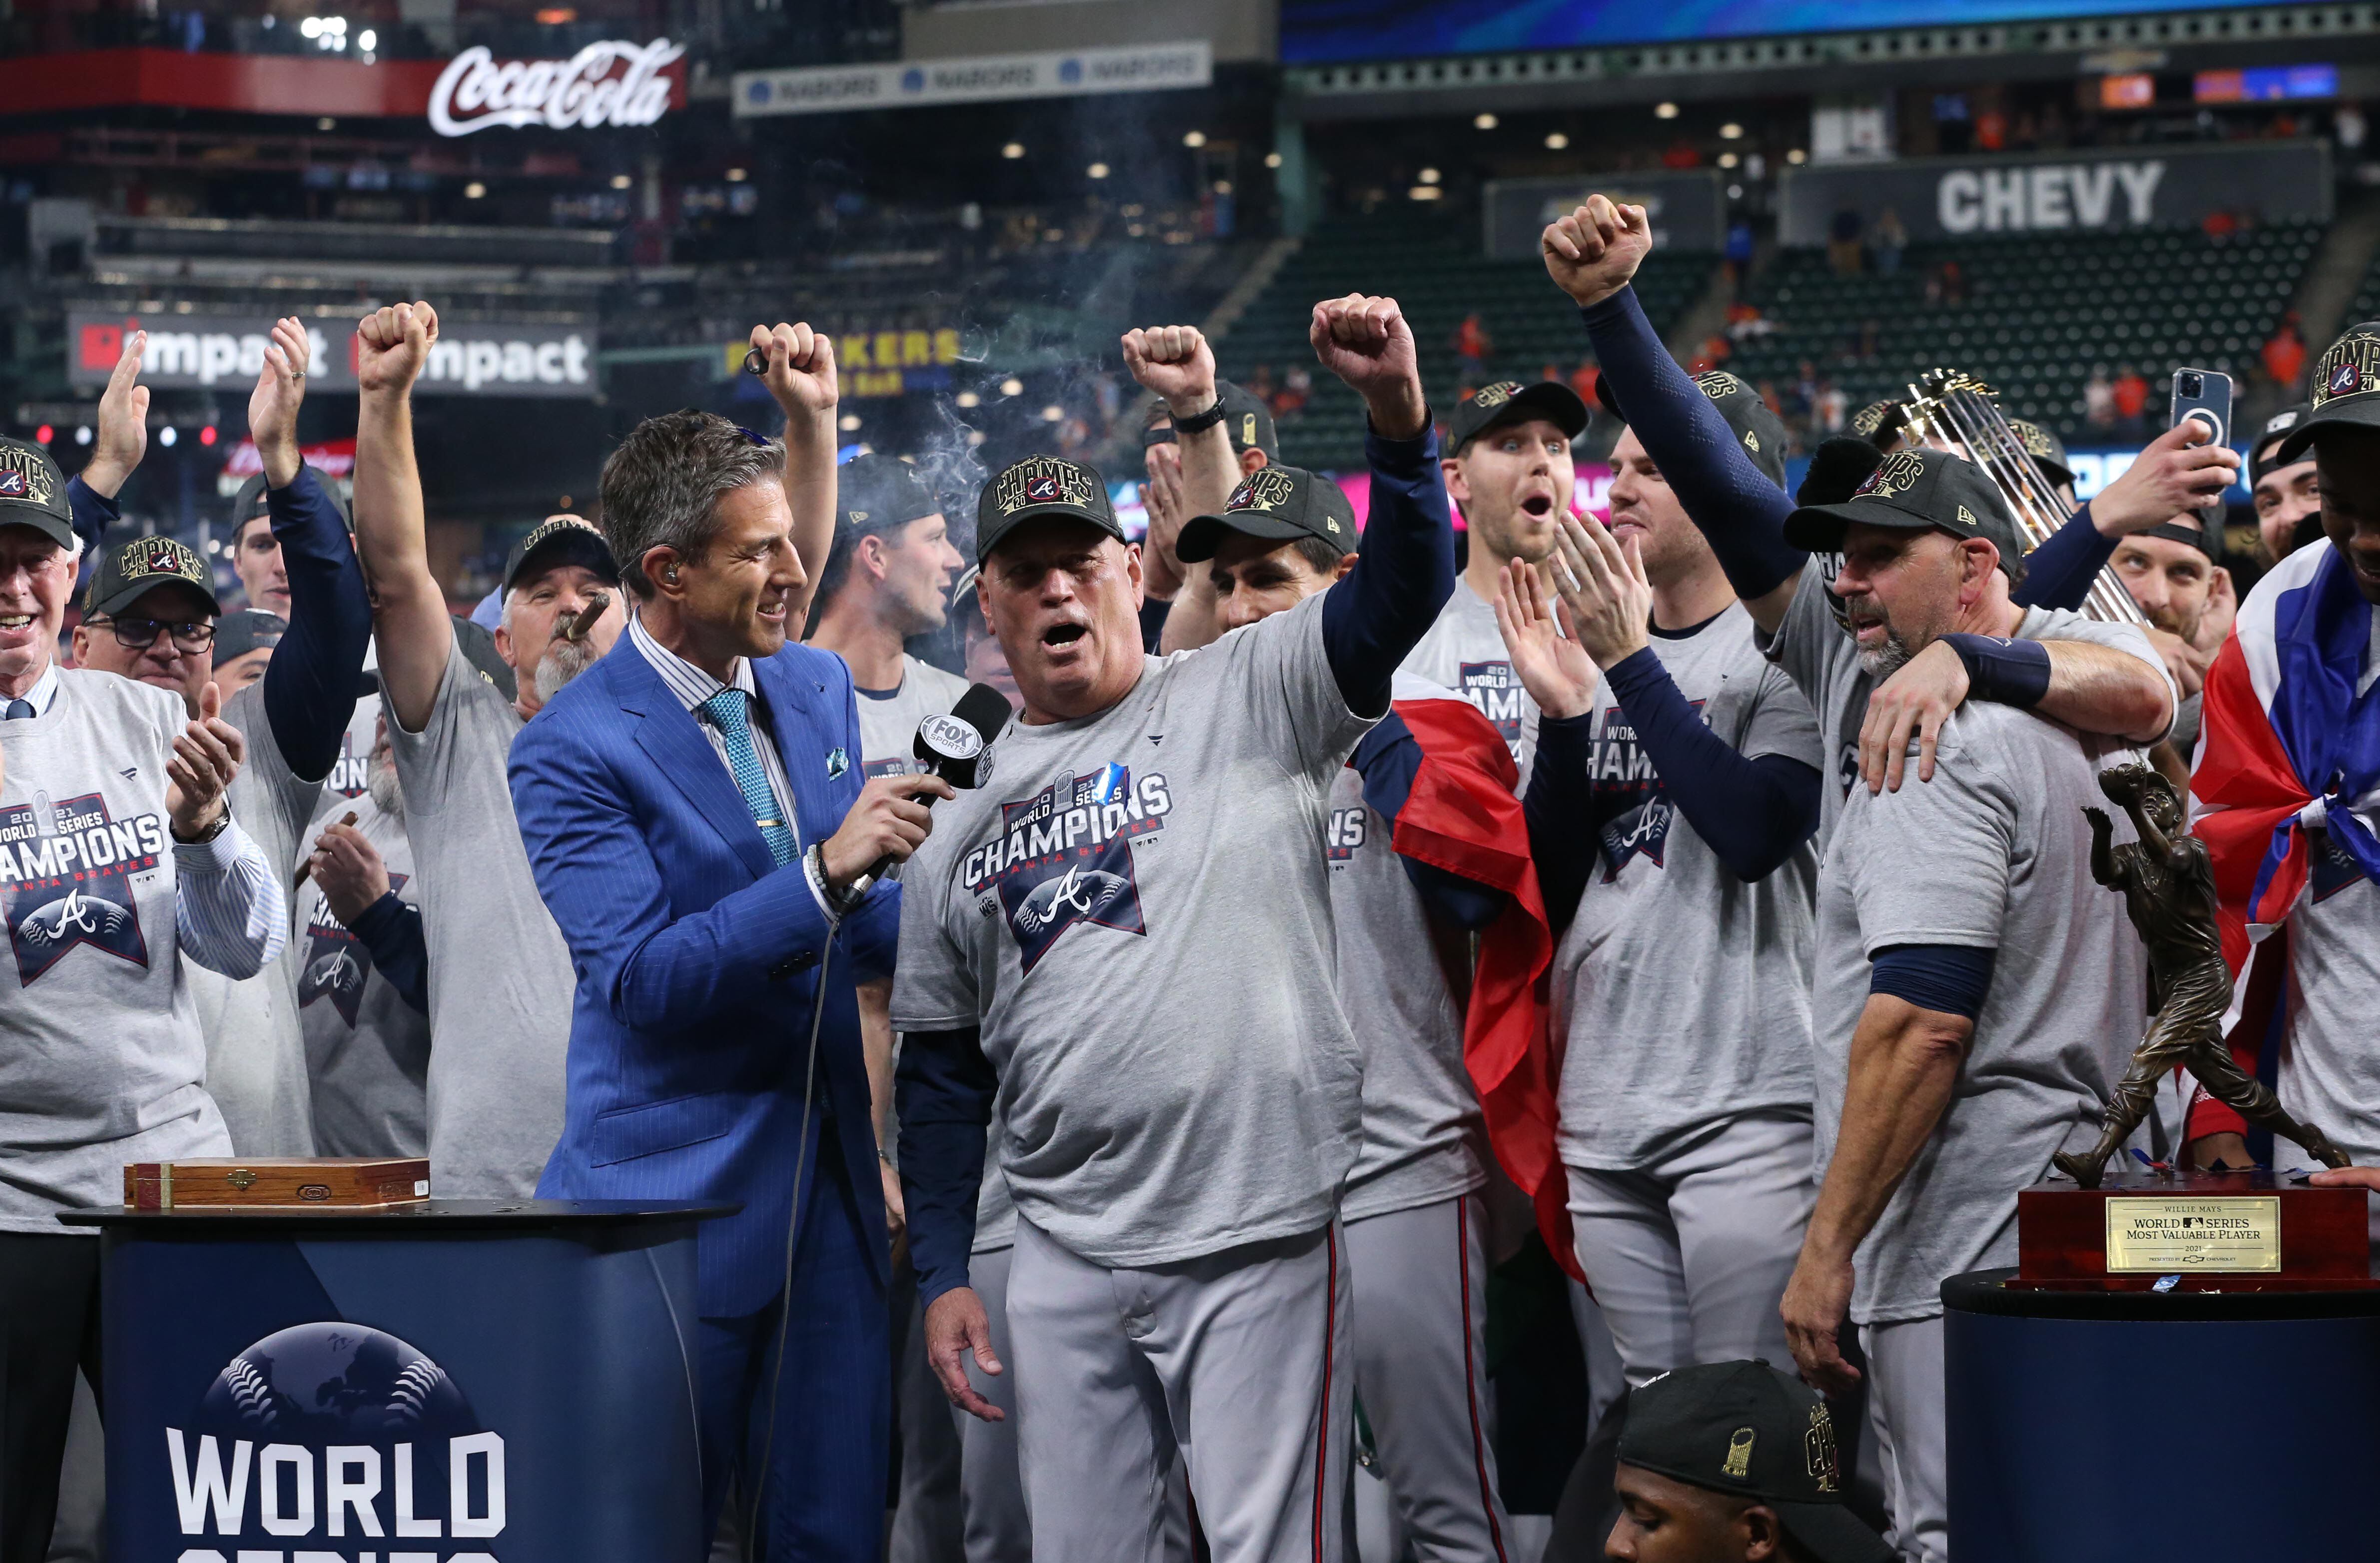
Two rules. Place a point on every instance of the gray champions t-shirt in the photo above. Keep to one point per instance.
(1684, 992)
(99, 1052)
(1424, 1137)
(256, 1046)
(889, 718)
(367, 1049)
(1994, 853)
(1824, 660)
(1133, 908)
(500, 975)
(1464, 651)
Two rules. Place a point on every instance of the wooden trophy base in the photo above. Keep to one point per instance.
(2147, 1230)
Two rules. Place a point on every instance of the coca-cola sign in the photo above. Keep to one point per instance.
(611, 83)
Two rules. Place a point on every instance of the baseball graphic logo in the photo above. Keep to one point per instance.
(1898, 473)
(22, 476)
(1064, 856)
(13, 484)
(1264, 489)
(1080, 892)
(2346, 379)
(1041, 490)
(1041, 480)
(336, 1383)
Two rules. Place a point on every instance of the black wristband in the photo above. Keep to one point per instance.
(1199, 420)
(2007, 672)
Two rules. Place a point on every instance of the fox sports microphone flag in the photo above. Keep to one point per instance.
(1444, 780)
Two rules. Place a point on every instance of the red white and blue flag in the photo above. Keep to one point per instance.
(2287, 745)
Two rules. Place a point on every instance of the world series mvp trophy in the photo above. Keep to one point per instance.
(2158, 1226)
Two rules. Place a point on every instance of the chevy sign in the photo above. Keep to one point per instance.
(830, 88)
(471, 358)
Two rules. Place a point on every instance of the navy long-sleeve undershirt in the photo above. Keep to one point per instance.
(93, 513)
(1732, 501)
(1752, 812)
(310, 682)
(1402, 576)
(400, 952)
(2058, 574)
(943, 1090)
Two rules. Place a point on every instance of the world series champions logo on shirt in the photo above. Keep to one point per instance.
(1064, 856)
(1348, 829)
(337, 963)
(66, 870)
(1496, 690)
(1634, 812)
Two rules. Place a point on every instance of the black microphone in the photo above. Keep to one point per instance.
(953, 747)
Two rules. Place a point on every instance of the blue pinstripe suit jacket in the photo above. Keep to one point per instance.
(698, 958)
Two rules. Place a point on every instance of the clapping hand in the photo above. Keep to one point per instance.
(207, 755)
(1602, 583)
(1161, 497)
(1547, 659)
(1366, 342)
(273, 405)
(123, 422)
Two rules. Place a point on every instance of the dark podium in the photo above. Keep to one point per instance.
(2182, 1366)
(442, 1382)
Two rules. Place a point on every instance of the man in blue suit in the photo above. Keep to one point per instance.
(693, 810)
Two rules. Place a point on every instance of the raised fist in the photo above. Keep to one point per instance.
(1174, 362)
(393, 347)
(800, 368)
(1592, 253)
(1366, 342)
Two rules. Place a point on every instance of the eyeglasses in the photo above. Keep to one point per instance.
(140, 634)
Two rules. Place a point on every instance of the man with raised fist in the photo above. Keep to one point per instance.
(1179, 1283)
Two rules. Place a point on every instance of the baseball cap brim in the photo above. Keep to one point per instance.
(1202, 535)
(57, 528)
(568, 545)
(992, 537)
(1818, 529)
(2362, 412)
(140, 586)
(1831, 1533)
(1550, 400)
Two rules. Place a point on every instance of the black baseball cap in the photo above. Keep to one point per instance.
(1509, 402)
(1747, 1430)
(1913, 489)
(2048, 452)
(1280, 502)
(33, 492)
(129, 570)
(247, 629)
(1246, 419)
(2277, 428)
(1877, 417)
(1037, 486)
(560, 540)
(2345, 390)
(876, 492)
(1760, 431)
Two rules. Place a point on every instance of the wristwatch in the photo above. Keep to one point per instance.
(222, 823)
(1199, 420)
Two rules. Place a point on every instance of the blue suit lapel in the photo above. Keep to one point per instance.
(793, 704)
(671, 735)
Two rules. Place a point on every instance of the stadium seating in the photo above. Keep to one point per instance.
(2039, 313)
(1432, 266)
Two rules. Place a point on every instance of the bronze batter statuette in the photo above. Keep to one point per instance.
(2169, 885)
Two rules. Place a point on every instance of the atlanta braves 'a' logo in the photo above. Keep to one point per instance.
(1632, 814)
(67, 871)
(337, 963)
(1064, 856)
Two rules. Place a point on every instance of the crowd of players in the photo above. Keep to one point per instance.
(1709, 889)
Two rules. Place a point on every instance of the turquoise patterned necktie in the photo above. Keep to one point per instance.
(728, 714)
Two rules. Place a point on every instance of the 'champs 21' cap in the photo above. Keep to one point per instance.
(1760, 431)
(1509, 402)
(2048, 452)
(130, 570)
(1039, 486)
(560, 540)
(33, 492)
(1279, 503)
(1914, 489)
(2346, 383)
(1749, 1431)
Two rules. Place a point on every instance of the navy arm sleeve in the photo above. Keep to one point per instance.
(1752, 812)
(1734, 504)
(1947, 979)
(1558, 805)
(93, 513)
(1401, 578)
(310, 684)
(1388, 759)
(392, 930)
(2058, 574)
(943, 1090)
